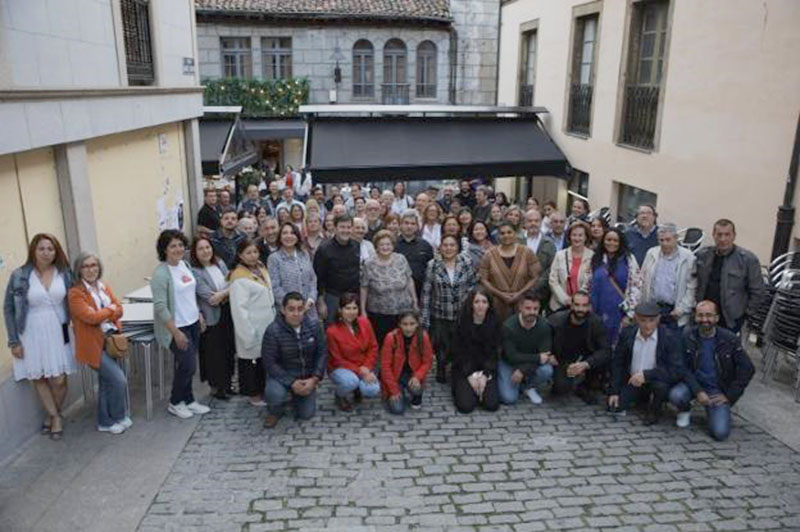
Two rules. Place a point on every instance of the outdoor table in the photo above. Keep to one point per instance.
(140, 295)
(138, 328)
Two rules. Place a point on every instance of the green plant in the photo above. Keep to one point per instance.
(257, 97)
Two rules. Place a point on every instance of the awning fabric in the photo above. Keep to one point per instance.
(344, 149)
(258, 129)
(224, 147)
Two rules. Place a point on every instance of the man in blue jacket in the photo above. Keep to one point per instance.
(646, 363)
(718, 371)
(295, 355)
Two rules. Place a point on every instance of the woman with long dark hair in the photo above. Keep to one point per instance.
(616, 282)
(290, 268)
(476, 346)
(353, 352)
(406, 359)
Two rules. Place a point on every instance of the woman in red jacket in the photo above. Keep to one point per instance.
(352, 351)
(406, 358)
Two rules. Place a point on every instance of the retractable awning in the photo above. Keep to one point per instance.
(224, 148)
(363, 148)
(273, 129)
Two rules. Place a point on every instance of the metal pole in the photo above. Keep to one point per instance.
(785, 216)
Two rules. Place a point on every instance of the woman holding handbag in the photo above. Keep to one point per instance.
(616, 283)
(95, 315)
(571, 269)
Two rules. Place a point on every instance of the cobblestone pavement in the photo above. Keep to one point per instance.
(558, 466)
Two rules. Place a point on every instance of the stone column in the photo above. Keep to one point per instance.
(76, 198)
(194, 170)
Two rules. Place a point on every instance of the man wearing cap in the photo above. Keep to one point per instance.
(646, 362)
(718, 371)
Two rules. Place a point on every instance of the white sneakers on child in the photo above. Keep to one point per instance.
(196, 408)
(180, 410)
(684, 419)
(534, 396)
(116, 428)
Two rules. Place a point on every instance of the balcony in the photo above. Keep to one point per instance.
(394, 94)
(258, 98)
(136, 34)
(526, 96)
(640, 111)
(580, 108)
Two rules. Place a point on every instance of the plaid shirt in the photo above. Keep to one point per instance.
(442, 299)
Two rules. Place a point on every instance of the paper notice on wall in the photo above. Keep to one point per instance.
(162, 215)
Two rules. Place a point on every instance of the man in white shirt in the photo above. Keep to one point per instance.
(646, 363)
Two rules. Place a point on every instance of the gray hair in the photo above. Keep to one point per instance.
(483, 188)
(82, 257)
(409, 213)
(668, 228)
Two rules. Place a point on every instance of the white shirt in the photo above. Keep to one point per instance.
(644, 352)
(432, 235)
(401, 204)
(367, 250)
(101, 300)
(533, 242)
(183, 292)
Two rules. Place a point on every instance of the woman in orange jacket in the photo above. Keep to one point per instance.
(95, 313)
(406, 359)
(352, 351)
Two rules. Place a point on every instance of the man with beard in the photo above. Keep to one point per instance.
(580, 345)
(718, 371)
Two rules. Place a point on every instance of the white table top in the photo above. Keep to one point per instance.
(137, 313)
(140, 294)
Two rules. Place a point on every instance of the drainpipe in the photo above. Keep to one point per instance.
(453, 64)
(785, 218)
(497, 61)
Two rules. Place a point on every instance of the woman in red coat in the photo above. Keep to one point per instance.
(406, 358)
(352, 351)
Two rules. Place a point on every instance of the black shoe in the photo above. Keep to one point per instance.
(270, 421)
(343, 404)
(586, 396)
(357, 397)
(222, 396)
(651, 418)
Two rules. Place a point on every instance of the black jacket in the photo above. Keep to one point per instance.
(338, 267)
(418, 253)
(596, 340)
(288, 357)
(669, 360)
(734, 368)
(476, 347)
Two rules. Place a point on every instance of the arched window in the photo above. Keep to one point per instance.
(426, 70)
(395, 74)
(363, 69)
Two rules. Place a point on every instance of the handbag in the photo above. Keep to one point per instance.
(623, 306)
(117, 345)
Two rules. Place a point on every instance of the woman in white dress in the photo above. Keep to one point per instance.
(37, 320)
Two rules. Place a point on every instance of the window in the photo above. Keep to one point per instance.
(237, 59)
(276, 57)
(426, 70)
(579, 184)
(645, 66)
(582, 83)
(138, 49)
(528, 70)
(363, 69)
(629, 199)
(395, 84)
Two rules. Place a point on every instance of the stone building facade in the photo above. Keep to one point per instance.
(459, 37)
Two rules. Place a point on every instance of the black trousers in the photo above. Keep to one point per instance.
(217, 352)
(382, 324)
(591, 380)
(252, 378)
(466, 400)
(652, 394)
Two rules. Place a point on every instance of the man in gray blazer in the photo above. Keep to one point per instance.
(545, 251)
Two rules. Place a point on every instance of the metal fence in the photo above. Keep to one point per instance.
(138, 50)
(580, 108)
(639, 116)
(526, 95)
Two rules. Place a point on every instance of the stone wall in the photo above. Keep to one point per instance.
(476, 22)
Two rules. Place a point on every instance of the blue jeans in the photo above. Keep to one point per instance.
(509, 392)
(111, 394)
(346, 382)
(398, 407)
(185, 365)
(277, 395)
(719, 416)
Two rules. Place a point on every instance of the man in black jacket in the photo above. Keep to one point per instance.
(337, 264)
(646, 362)
(718, 371)
(580, 345)
(416, 250)
(295, 355)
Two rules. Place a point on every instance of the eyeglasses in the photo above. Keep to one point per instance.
(90, 266)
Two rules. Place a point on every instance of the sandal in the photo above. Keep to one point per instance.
(56, 435)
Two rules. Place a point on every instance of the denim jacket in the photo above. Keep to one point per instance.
(15, 304)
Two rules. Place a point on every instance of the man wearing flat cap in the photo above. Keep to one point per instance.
(646, 363)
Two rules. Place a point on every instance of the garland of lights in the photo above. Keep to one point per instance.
(280, 97)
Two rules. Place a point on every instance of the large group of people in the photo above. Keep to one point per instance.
(377, 290)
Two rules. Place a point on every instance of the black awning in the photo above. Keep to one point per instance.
(414, 148)
(224, 147)
(263, 129)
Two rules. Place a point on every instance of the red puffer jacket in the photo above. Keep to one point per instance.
(393, 356)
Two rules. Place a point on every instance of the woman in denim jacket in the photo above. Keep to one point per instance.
(36, 314)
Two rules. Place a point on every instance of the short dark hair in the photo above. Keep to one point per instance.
(550, 203)
(165, 239)
(226, 210)
(530, 295)
(582, 293)
(505, 223)
(341, 219)
(193, 252)
(208, 191)
(724, 222)
(292, 296)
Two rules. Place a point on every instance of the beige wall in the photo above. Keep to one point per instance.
(29, 204)
(128, 174)
(732, 94)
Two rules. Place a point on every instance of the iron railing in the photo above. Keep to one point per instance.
(394, 94)
(526, 96)
(138, 50)
(639, 116)
(580, 108)
(426, 90)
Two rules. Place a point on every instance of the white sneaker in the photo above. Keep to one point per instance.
(180, 410)
(197, 408)
(126, 422)
(684, 419)
(534, 396)
(116, 428)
